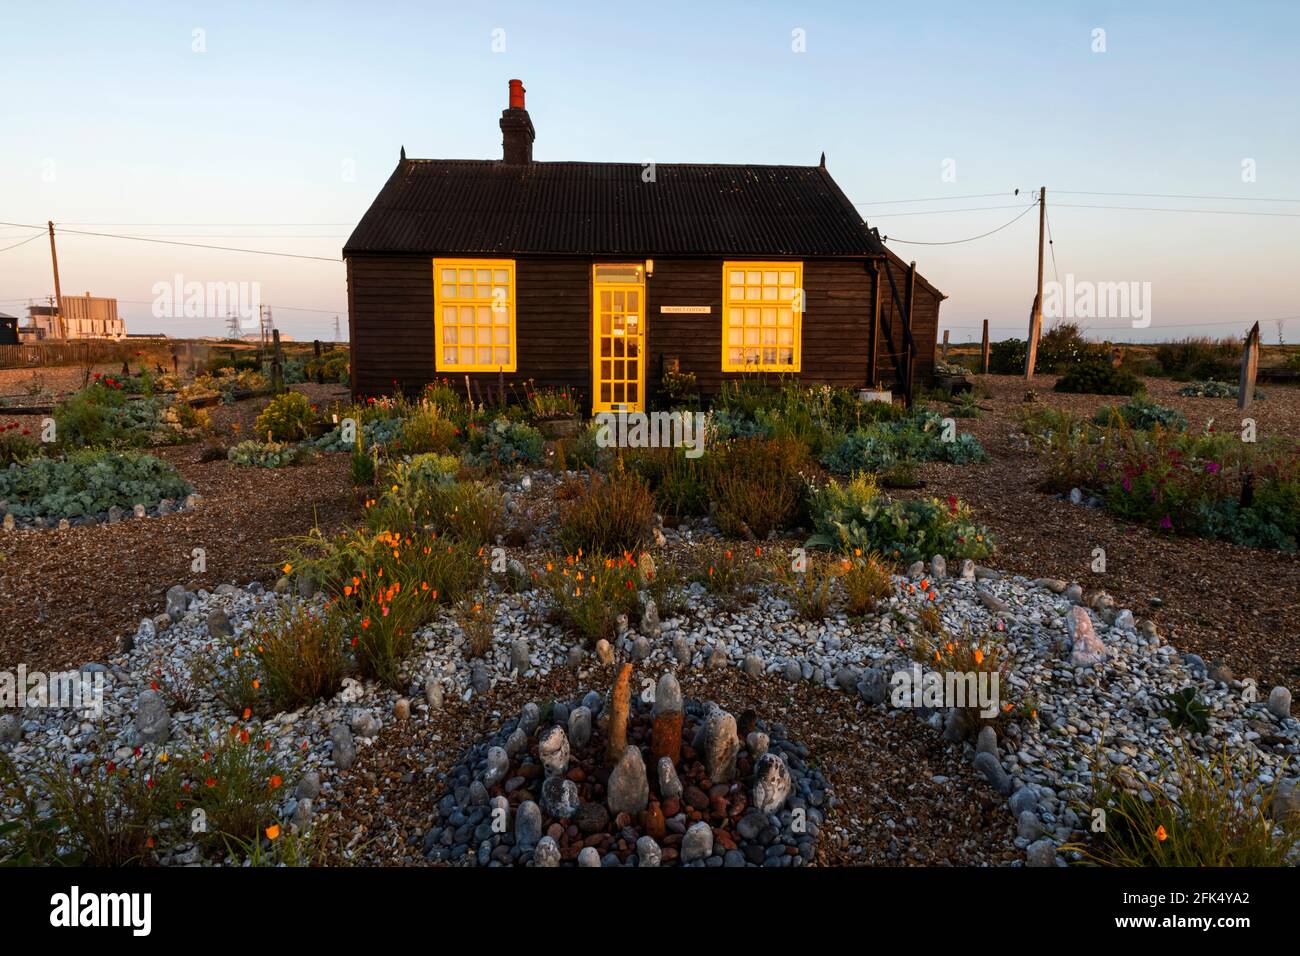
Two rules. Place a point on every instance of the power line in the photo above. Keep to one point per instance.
(1208, 212)
(24, 242)
(895, 202)
(1051, 244)
(171, 242)
(935, 212)
(953, 242)
(1083, 192)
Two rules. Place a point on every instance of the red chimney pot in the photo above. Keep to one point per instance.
(517, 94)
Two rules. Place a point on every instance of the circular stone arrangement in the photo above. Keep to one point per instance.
(631, 780)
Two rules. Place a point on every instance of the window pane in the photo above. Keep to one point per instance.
(467, 334)
(466, 275)
(502, 276)
(501, 335)
(449, 292)
(449, 356)
(503, 357)
(484, 356)
(483, 275)
(448, 275)
(449, 334)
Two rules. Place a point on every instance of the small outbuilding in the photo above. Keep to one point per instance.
(600, 276)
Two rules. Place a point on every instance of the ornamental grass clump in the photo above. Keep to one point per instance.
(99, 812)
(614, 514)
(429, 428)
(1198, 813)
(237, 782)
(866, 581)
(757, 485)
(812, 589)
(586, 595)
(304, 655)
(680, 484)
(731, 575)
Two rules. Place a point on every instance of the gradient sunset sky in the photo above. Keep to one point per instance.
(278, 135)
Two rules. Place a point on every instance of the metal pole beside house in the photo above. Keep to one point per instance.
(984, 349)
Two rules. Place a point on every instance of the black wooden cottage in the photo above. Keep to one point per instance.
(598, 276)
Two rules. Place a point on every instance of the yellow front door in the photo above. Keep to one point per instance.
(618, 338)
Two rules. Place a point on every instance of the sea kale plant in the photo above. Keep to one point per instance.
(88, 483)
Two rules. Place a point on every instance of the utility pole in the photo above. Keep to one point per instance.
(336, 328)
(58, 293)
(1036, 314)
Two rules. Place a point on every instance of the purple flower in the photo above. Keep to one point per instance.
(1128, 485)
(1166, 524)
(1213, 467)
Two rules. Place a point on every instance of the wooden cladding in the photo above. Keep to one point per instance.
(391, 319)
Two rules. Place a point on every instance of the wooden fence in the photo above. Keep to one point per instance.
(83, 352)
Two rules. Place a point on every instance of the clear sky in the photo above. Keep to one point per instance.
(274, 127)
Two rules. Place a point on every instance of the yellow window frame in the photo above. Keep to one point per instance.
(786, 295)
(475, 300)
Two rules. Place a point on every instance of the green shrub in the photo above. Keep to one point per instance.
(612, 517)
(88, 483)
(1199, 358)
(101, 415)
(581, 452)
(1211, 485)
(1143, 415)
(16, 444)
(287, 417)
(266, 454)
(855, 516)
(333, 365)
(505, 444)
(878, 447)
(423, 494)
(1099, 378)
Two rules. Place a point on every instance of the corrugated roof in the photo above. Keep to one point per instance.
(486, 207)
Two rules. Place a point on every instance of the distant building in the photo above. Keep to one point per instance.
(84, 317)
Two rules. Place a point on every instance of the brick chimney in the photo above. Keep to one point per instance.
(517, 133)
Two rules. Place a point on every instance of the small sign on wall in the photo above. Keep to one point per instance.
(685, 309)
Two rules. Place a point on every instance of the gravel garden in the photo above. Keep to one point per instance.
(457, 629)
